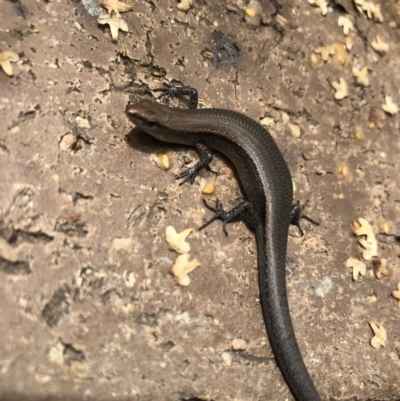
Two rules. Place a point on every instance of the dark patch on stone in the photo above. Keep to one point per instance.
(14, 268)
(243, 357)
(167, 345)
(27, 116)
(57, 307)
(71, 354)
(111, 297)
(78, 196)
(39, 237)
(193, 398)
(224, 51)
(71, 229)
(150, 319)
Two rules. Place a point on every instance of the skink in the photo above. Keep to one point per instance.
(267, 185)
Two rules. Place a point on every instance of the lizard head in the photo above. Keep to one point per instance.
(147, 115)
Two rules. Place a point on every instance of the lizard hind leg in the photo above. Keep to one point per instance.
(221, 214)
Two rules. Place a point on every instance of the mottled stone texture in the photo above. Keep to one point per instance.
(89, 311)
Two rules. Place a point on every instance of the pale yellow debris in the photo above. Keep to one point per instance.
(115, 7)
(380, 336)
(322, 4)
(370, 244)
(325, 51)
(396, 294)
(348, 42)
(115, 22)
(379, 45)
(341, 89)
(361, 76)
(390, 107)
(176, 241)
(182, 268)
(295, 129)
(6, 58)
(346, 23)
(185, 5)
(380, 268)
(343, 171)
(358, 266)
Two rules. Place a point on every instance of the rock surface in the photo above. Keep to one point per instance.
(89, 309)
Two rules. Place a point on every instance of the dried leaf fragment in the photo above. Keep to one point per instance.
(358, 133)
(209, 189)
(322, 4)
(295, 129)
(82, 122)
(165, 161)
(396, 294)
(285, 117)
(33, 31)
(182, 268)
(316, 61)
(390, 107)
(361, 76)
(161, 161)
(208, 54)
(373, 11)
(379, 45)
(6, 58)
(380, 336)
(337, 50)
(370, 250)
(370, 244)
(115, 22)
(385, 226)
(376, 13)
(176, 241)
(252, 13)
(358, 266)
(339, 59)
(239, 344)
(348, 42)
(341, 89)
(253, 8)
(185, 5)
(207, 182)
(380, 268)
(358, 4)
(343, 171)
(325, 52)
(346, 23)
(158, 72)
(115, 7)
